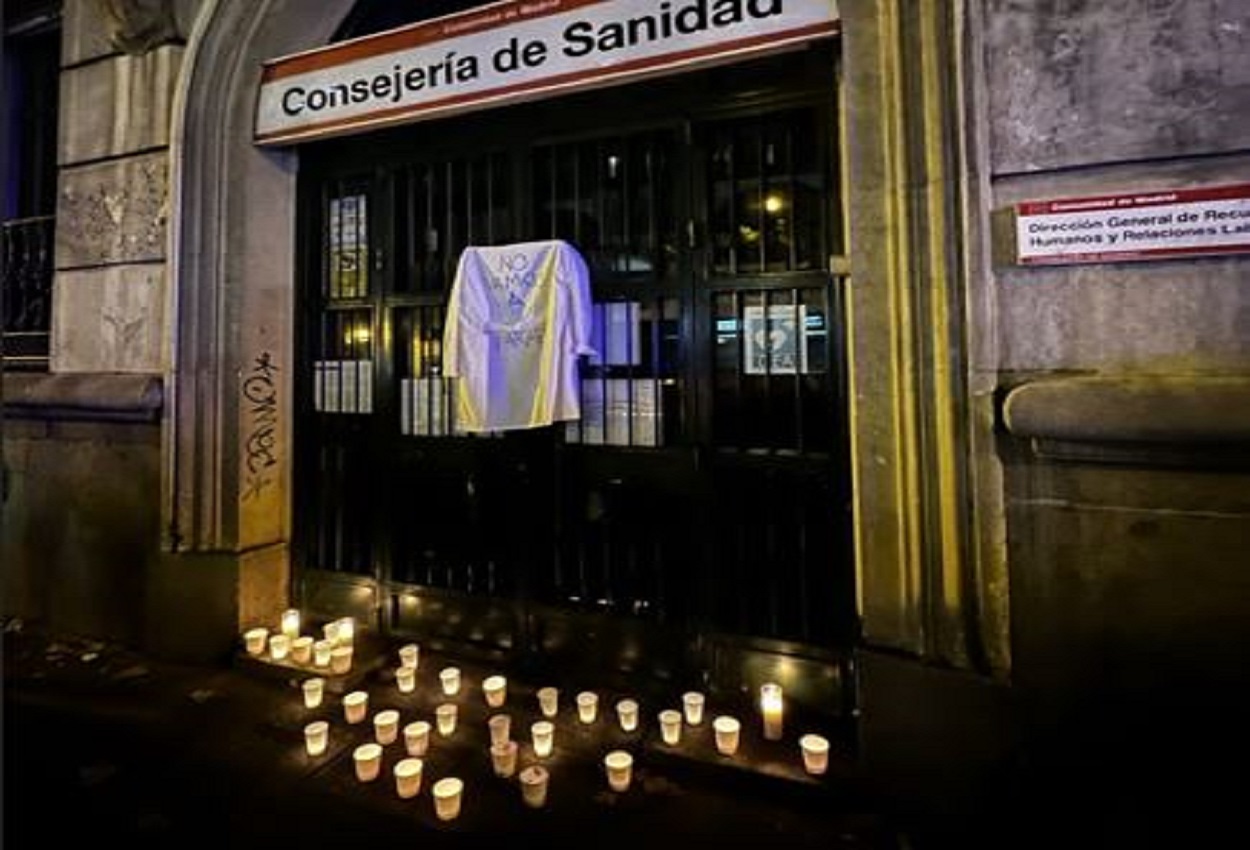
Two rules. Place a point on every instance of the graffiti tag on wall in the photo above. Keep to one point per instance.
(260, 391)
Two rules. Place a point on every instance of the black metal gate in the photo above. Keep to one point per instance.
(696, 517)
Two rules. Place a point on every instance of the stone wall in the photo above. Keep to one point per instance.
(79, 534)
(1126, 415)
(82, 533)
(110, 292)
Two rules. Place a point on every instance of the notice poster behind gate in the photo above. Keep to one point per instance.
(514, 50)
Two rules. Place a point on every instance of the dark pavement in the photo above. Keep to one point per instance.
(101, 743)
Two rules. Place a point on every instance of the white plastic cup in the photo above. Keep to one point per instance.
(543, 733)
(417, 738)
(355, 706)
(500, 728)
(279, 647)
(495, 689)
(587, 706)
(406, 679)
(314, 690)
(368, 759)
(386, 726)
(533, 781)
(670, 726)
(627, 714)
(450, 679)
(619, 765)
(503, 758)
(409, 656)
(445, 718)
(316, 737)
(692, 704)
(290, 623)
(341, 659)
(321, 653)
(727, 731)
(548, 701)
(448, 792)
(301, 649)
(346, 632)
(256, 640)
(408, 777)
(330, 633)
(815, 750)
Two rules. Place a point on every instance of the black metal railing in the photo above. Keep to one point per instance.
(26, 290)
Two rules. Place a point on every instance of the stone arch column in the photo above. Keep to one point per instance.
(227, 435)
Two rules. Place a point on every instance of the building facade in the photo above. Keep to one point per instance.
(988, 511)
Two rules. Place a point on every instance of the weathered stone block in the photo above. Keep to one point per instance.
(84, 34)
(113, 212)
(1180, 317)
(118, 105)
(1090, 81)
(81, 529)
(109, 319)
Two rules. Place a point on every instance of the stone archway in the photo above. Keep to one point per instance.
(227, 435)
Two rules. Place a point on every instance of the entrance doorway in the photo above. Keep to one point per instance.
(695, 521)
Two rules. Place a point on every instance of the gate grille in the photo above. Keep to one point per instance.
(703, 488)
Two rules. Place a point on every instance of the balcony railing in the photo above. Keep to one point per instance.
(26, 290)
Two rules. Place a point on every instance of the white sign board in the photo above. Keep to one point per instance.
(516, 50)
(1138, 226)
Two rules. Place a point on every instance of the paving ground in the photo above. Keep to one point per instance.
(101, 744)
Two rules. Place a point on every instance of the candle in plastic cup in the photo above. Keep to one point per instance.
(408, 777)
(548, 701)
(290, 623)
(543, 733)
(450, 679)
(255, 640)
(386, 726)
(447, 794)
(587, 706)
(321, 653)
(279, 647)
(815, 753)
(316, 736)
(314, 690)
(771, 710)
(692, 703)
(496, 690)
(406, 679)
(534, 786)
(619, 765)
(503, 758)
(445, 717)
(341, 659)
(409, 655)
(330, 632)
(368, 759)
(301, 649)
(500, 728)
(627, 713)
(727, 729)
(670, 726)
(355, 706)
(417, 738)
(347, 631)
